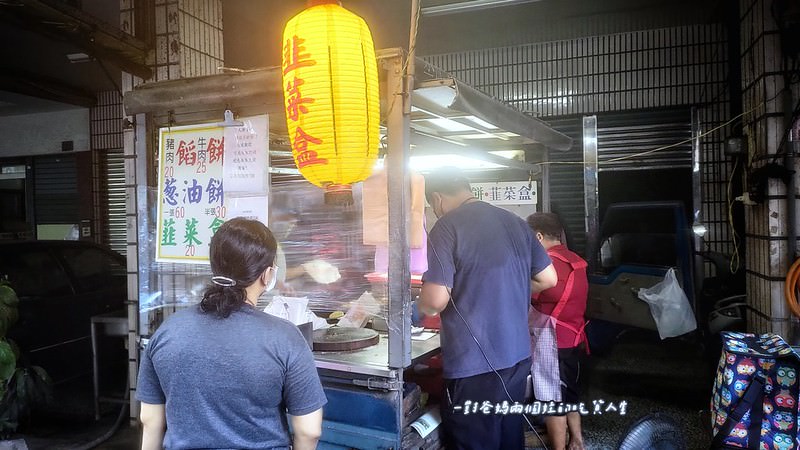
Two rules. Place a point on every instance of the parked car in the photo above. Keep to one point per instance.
(61, 285)
(638, 243)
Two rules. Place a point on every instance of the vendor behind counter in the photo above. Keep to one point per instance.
(315, 236)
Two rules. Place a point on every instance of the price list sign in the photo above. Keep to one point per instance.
(191, 191)
(197, 168)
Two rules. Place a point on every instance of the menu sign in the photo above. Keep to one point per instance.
(202, 170)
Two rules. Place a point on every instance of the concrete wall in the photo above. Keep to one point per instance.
(42, 133)
(680, 66)
(188, 37)
(767, 222)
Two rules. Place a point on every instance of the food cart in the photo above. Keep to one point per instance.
(365, 386)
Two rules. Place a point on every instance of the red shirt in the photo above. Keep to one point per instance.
(573, 312)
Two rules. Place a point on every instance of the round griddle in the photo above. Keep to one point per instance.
(339, 339)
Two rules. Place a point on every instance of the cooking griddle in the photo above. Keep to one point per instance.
(340, 339)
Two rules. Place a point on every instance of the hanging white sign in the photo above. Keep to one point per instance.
(201, 170)
(506, 192)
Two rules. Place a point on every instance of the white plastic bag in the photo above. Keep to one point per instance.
(360, 311)
(670, 307)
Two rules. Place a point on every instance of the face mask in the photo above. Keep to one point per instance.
(274, 279)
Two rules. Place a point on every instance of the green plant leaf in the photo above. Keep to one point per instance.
(14, 348)
(7, 295)
(22, 387)
(8, 361)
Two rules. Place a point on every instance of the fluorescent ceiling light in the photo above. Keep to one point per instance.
(423, 163)
(467, 6)
(451, 125)
(440, 138)
(482, 122)
(481, 136)
(510, 154)
(426, 163)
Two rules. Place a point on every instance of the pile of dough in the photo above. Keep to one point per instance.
(322, 272)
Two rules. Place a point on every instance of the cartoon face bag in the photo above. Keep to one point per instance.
(754, 400)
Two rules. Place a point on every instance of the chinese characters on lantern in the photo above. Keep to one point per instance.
(506, 193)
(303, 143)
(202, 171)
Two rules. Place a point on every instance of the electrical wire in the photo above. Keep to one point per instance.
(787, 130)
(452, 302)
(734, 263)
(666, 147)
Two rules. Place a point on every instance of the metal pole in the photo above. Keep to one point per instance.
(95, 371)
(591, 198)
(697, 212)
(399, 284)
(791, 200)
(412, 53)
(788, 162)
(136, 214)
(398, 189)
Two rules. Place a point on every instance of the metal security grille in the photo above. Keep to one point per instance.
(565, 175)
(55, 189)
(115, 232)
(669, 68)
(644, 140)
(622, 137)
(625, 71)
(109, 171)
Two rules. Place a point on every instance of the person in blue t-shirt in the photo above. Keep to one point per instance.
(223, 374)
(483, 263)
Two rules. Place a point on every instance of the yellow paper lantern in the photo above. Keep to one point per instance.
(331, 95)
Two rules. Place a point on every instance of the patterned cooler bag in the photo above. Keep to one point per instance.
(754, 400)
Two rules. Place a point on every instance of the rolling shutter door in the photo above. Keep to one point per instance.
(55, 189)
(622, 135)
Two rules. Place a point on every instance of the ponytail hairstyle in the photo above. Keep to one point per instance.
(240, 251)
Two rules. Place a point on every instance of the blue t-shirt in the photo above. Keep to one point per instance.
(487, 255)
(228, 383)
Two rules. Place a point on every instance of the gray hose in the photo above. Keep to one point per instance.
(122, 413)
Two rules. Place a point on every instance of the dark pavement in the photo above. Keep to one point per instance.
(651, 376)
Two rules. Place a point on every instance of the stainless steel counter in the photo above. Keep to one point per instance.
(374, 360)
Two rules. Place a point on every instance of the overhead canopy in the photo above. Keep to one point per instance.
(456, 110)
(447, 116)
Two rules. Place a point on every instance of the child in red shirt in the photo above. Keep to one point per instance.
(566, 302)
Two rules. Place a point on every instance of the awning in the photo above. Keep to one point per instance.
(447, 115)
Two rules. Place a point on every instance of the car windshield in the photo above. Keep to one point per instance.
(639, 236)
(651, 249)
(94, 269)
(33, 272)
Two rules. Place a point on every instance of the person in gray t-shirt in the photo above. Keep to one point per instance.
(224, 375)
